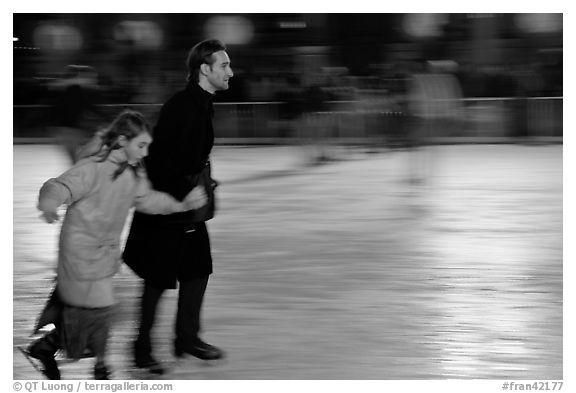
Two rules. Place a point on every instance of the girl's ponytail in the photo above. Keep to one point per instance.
(128, 123)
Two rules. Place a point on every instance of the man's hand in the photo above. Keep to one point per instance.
(196, 198)
(50, 216)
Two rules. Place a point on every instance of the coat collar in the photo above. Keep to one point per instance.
(117, 156)
(201, 96)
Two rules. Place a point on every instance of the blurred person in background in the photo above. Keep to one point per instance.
(290, 96)
(99, 191)
(435, 110)
(176, 248)
(315, 115)
(74, 109)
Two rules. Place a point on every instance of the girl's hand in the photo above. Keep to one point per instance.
(196, 198)
(50, 216)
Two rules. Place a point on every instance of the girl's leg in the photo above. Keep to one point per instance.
(100, 361)
(98, 342)
(101, 371)
(44, 349)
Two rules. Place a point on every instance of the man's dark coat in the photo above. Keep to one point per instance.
(163, 248)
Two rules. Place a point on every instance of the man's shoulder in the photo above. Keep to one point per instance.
(178, 97)
(181, 100)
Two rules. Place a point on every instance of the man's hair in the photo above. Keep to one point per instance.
(202, 53)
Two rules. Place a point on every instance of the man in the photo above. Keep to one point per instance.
(176, 247)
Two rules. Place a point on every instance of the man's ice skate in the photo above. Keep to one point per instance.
(200, 350)
(148, 363)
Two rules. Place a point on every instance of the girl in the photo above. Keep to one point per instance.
(99, 190)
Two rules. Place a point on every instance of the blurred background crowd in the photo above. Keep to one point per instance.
(338, 76)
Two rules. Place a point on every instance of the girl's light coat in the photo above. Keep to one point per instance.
(89, 248)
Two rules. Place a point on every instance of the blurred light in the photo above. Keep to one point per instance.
(424, 25)
(233, 30)
(539, 23)
(141, 33)
(479, 16)
(292, 25)
(443, 65)
(59, 37)
(14, 39)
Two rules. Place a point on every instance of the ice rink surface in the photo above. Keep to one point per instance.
(347, 270)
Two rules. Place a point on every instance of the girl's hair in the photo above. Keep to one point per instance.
(128, 123)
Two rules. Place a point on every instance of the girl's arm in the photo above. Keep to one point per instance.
(67, 188)
(150, 201)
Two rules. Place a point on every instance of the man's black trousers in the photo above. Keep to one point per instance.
(187, 329)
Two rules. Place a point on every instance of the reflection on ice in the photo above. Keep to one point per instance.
(347, 271)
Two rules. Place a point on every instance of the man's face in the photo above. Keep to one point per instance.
(219, 72)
